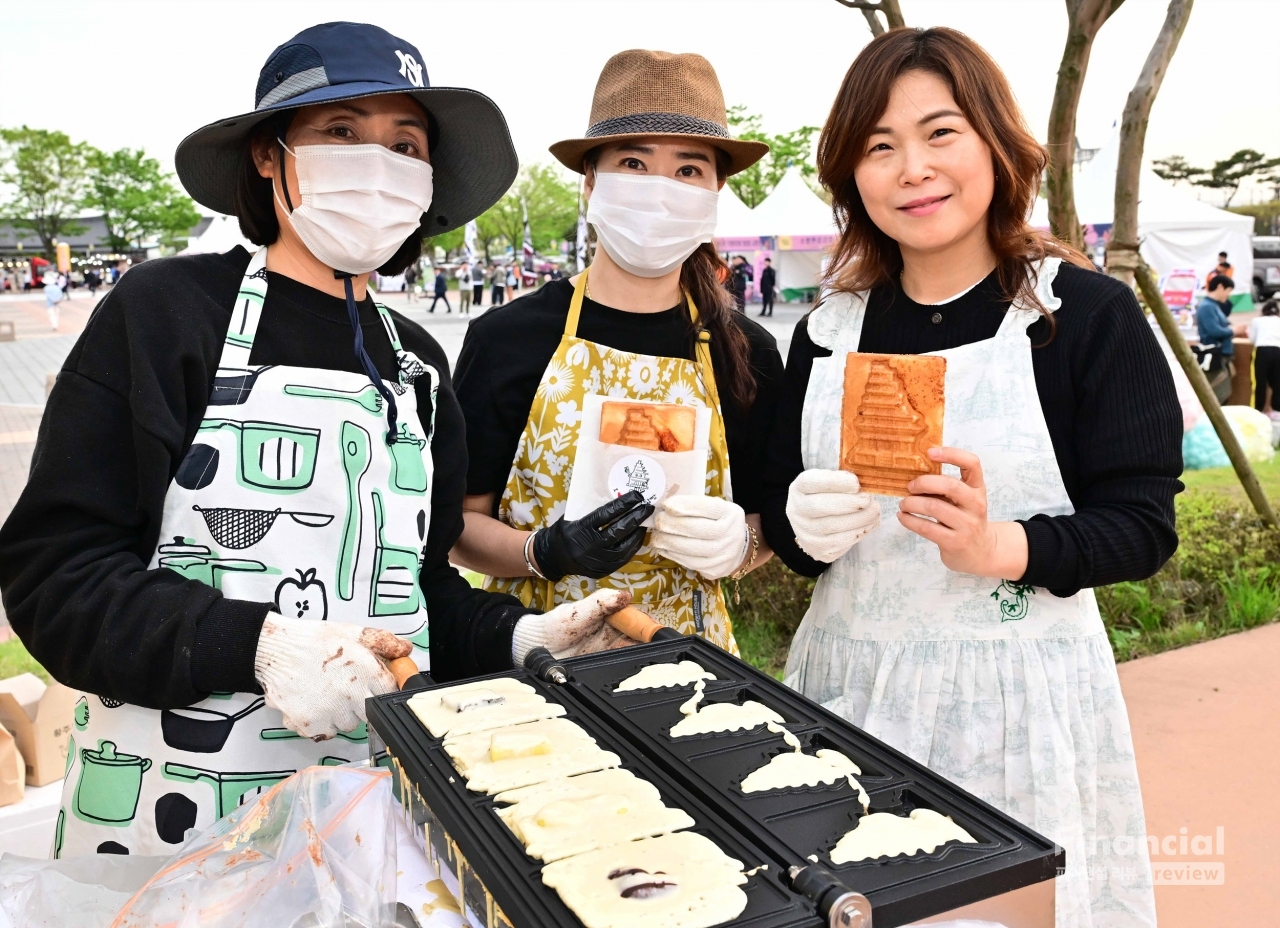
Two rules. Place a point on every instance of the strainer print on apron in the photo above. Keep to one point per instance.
(289, 494)
(1002, 687)
(538, 486)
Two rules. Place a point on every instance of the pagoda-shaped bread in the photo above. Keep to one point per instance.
(892, 415)
(638, 430)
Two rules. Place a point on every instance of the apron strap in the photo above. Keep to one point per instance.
(389, 324)
(575, 304)
(245, 314)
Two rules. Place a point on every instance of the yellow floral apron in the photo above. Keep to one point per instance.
(538, 486)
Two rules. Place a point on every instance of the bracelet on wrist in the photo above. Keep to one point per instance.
(752, 543)
(528, 557)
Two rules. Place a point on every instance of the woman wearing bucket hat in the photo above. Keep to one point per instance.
(637, 375)
(250, 476)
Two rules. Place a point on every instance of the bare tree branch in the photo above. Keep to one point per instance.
(890, 8)
(1122, 249)
(1084, 19)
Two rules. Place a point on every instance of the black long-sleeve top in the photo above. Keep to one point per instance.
(128, 401)
(1108, 401)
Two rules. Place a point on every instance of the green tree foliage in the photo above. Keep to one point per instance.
(552, 199)
(1175, 169)
(785, 150)
(45, 172)
(138, 201)
(1227, 174)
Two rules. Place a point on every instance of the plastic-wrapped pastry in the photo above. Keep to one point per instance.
(480, 705)
(521, 755)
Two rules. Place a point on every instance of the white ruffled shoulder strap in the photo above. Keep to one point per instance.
(1042, 277)
(836, 323)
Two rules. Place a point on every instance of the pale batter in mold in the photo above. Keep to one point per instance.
(721, 716)
(521, 755)
(614, 780)
(680, 880)
(478, 706)
(796, 770)
(660, 676)
(552, 827)
(884, 834)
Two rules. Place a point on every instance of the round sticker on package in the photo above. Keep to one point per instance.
(638, 472)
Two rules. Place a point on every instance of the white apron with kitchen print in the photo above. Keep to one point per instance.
(1001, 687)
(289, 494)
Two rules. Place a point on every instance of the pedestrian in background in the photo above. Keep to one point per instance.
(740, 273)
(52, 297)
(411, 274)
(498, 285)
(463, 274)
(477, 284)
(768, 280)
(513, 282)
(1223, 269)
(1264, 334)
(441, 293)
(93, 280)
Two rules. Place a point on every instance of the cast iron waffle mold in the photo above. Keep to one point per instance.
(800, 826)
(489, 850)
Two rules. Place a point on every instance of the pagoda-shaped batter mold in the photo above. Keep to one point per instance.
(896, 418)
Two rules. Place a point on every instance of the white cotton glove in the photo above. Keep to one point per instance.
(829, 514)
(703, 533)
(572, 628)
(318, 674)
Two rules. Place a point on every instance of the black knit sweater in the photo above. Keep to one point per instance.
(1108, 401)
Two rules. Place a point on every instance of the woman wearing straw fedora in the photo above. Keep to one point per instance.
(250, 476)
(632, 386)
(956, 619)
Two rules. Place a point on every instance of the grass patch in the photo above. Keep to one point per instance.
(1224, 578)
(14, 660)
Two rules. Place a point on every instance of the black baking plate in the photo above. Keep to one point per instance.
(499, 860)
(795, 824)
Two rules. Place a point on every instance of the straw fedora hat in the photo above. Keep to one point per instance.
(643, 92)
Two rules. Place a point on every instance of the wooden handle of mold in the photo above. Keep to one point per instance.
(633, 623)
(402, 668)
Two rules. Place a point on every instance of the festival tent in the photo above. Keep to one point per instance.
(792, 226)
(1175, 229)
(221, 235)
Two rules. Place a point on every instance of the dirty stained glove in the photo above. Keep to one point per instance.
(318, 674)
(572, 628)
(829, 514)
(595, 545)
(703, 533)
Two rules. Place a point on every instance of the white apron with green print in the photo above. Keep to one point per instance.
(538, 487)
(289, 494)
(1001, 687)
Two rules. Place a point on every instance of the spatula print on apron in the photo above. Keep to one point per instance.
(289, 494)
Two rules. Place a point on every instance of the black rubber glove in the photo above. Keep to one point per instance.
(595, 545)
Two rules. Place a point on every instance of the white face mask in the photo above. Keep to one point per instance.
(649, 225)
(359, 203)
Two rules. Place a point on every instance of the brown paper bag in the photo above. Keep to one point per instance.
(12, 770)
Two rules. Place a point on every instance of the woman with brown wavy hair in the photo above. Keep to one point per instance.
(958, 623)
(648, 329)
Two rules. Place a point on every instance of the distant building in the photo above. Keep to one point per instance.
(19, 244)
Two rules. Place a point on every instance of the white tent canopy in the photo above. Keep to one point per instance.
(792, 212)
(222, 235)
(1176, 230)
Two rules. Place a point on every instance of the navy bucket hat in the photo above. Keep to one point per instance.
(473, 162)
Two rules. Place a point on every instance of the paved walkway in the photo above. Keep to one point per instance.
(1205, 732)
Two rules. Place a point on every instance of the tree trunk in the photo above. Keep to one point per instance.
(1200, 383)
(1084, 19)
(1122, 249)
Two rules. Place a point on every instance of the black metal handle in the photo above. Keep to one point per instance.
(544, 665)
(842, 907)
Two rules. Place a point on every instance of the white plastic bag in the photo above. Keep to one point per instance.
(83, 891)
(316, 850)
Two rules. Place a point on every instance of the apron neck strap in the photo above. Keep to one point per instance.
(245, 314)
(580, 291)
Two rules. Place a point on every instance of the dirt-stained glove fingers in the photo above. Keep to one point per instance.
(384, 644)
